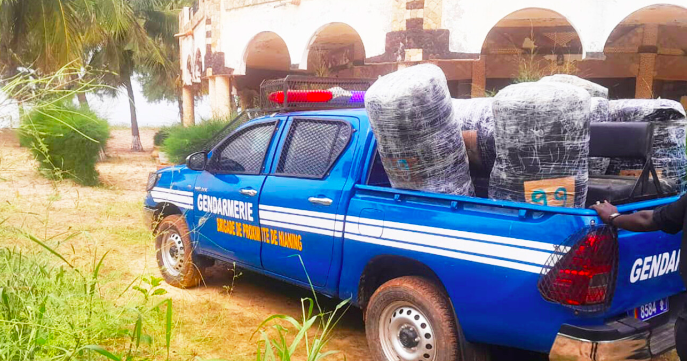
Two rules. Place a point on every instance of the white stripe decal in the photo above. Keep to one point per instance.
(173, 191)
(463, 245)
(172, 197)
(298, 211)
(297, 227)
(300, 220)
(454, 233)
(445, 253)
(182, 205)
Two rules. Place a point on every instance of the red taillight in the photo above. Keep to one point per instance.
(302, 96)
(581, 273)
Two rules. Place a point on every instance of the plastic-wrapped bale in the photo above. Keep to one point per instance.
(418, 138)
(475, 115)
(599, 113)
(645, 110)
(542, 144)
(669, 155)
(592, 88)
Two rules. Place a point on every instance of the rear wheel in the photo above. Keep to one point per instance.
(410, 319)
(174, 252)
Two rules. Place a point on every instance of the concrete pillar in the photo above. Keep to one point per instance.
(223, 96)
(479, 78)
(189, 108)
(644, 88)
(212, 92)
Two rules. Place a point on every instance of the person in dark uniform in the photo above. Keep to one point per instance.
(670, 218)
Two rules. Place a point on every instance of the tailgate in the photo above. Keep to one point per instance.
(648, 267)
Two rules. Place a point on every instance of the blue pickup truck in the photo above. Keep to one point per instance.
(438, 277)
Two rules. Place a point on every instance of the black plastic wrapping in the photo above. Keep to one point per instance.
(669, 157)
(599, 113)
(542, 144)
(419, 139)
(476, 115)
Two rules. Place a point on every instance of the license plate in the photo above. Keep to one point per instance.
(650, 310)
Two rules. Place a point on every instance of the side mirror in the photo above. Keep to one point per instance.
(197, 161)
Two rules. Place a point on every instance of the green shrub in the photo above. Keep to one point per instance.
(161, 135)
(66, 140)
(183, 141)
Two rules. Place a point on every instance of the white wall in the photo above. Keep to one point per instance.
(470, 21)
(297, 25)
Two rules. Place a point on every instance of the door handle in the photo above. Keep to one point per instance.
(320, 201)
(248, 192)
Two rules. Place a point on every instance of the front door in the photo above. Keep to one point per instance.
(226, 195)
(301, 210)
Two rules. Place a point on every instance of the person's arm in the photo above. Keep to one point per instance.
(642, 221)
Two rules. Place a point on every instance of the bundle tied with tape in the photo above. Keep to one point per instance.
(669, 157)
(542, 144)
(418, 137)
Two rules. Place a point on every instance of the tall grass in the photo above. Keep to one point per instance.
(52, 309)
(311, 333)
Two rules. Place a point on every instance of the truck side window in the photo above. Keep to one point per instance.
(312, 147)
(378, 176)
(244, 152)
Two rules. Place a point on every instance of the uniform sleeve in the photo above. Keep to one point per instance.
(670, 218)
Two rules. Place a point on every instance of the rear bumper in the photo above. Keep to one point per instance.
(623, 339)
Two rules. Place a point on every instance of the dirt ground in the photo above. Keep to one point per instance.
(214, 321)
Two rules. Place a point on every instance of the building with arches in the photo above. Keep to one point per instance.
(636, 48)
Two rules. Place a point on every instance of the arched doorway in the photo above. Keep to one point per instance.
(266, 57)
(525, 46)
(333, 50)
(646, 54)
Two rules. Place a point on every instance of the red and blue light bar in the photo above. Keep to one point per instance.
(319, 96)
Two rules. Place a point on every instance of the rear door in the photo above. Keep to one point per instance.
(303, 201)
(226, 195)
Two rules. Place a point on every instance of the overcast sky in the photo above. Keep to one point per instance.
(116, 110)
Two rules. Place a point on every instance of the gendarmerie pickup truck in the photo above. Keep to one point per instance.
(438, 277)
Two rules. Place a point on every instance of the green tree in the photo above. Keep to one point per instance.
(125, 49)
(161, 24)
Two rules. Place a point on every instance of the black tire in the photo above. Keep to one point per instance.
(414, 301)
(178, 269)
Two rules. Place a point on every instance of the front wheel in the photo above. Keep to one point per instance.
(174, 252)
(410, 319)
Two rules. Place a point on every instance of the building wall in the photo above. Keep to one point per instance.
(469, 39)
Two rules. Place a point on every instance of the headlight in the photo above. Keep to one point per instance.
(153, 177)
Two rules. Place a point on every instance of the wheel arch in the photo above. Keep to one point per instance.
(384, 268)
(162, 210)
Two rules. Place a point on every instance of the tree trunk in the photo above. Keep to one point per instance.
(135, 136)
(83, 101)
(180, 104)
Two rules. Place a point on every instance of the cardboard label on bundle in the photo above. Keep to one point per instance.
(556, 192)
(402, 168)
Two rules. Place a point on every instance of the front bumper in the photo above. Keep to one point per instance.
(149, 217)
(623, 339)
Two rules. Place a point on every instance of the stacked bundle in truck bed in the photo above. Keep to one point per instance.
(418, 137)
(592, 88)
(669, 156)
(598, 114)
(477, 122)
(542, 143)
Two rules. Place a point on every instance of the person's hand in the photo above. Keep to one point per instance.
(605, 210)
